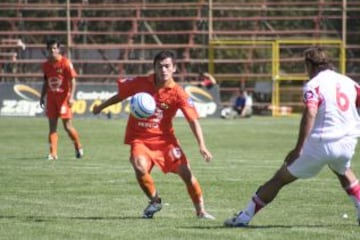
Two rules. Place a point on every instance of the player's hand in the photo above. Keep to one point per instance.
(206, 154)
(42, 103)
(96, 109)
(291, 156)
(71, 101)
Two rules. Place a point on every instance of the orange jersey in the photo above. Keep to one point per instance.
(168, 100)
(59, 75)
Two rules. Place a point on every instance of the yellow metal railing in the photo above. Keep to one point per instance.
(275, 46)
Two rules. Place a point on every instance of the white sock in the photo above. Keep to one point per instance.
(254, 205)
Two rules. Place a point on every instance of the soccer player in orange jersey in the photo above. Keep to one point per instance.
(59, 89)
(152, 141)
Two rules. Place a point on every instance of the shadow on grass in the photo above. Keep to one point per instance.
(97, 218)
(269, 226)
(48, 219)
(28, 158)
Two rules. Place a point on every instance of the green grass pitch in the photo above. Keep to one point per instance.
(97, 197)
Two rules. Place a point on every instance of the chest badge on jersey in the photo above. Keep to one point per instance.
(164, 106)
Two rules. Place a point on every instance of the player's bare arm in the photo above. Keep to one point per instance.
(43, 93)
(72, 93)
(113, 100)
(198, 133)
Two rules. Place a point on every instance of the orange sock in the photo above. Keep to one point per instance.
(73, 134)
(53, 142)
(195, 193)
(146, 183)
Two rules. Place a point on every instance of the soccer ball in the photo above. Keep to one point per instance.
(142, 105)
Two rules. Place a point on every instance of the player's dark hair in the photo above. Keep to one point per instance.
(162, 55)
(51, 42)
(318, 58)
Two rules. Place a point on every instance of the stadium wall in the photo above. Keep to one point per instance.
(22, 100)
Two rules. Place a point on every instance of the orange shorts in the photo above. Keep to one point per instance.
(167, 155)
(58, 107)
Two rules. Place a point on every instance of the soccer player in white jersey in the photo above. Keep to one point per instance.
(327, 136)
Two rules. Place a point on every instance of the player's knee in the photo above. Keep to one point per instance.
(185, 173)
(139, 164)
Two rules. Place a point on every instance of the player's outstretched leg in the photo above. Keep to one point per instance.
(243, 218)
(264, 195)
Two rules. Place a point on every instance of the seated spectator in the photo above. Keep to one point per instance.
(241, 106)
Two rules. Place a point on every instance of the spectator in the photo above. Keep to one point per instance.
(241, 106)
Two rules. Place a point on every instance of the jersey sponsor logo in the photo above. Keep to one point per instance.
(148, 124)
(54, 84)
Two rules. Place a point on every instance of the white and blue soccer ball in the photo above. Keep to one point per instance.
(142, 105)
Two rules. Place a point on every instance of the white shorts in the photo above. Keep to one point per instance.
(315, 155)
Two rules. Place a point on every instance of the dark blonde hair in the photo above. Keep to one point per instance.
(318, 58)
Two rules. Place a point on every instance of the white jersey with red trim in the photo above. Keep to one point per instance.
(337, 98)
